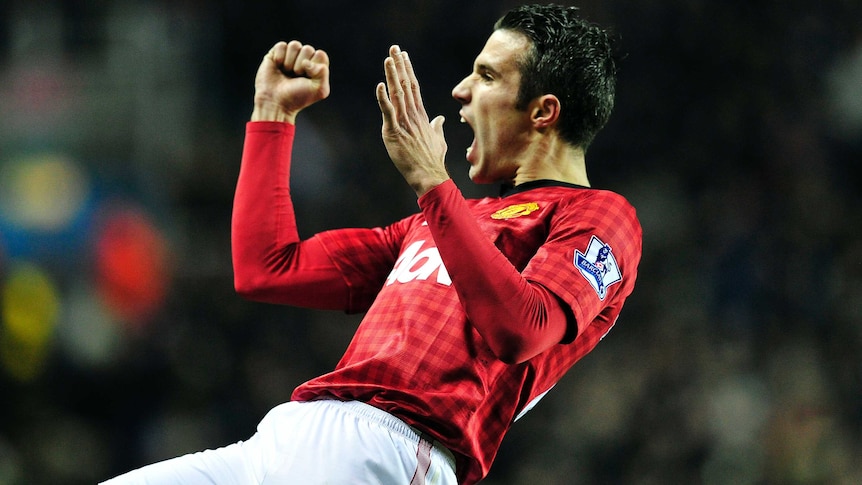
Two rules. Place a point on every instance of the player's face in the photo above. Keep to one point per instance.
(488, 97)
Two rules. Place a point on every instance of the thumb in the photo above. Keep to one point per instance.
(437, 124)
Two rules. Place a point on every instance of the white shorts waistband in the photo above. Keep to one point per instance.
(392, 423)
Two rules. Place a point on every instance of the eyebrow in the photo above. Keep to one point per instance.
(482, 67)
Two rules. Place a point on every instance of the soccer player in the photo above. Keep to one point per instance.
(474, 309)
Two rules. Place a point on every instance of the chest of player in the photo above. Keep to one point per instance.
(517, 227)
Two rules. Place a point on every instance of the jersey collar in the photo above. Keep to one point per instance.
(507, 190)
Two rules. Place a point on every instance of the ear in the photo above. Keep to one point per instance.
(545, 111)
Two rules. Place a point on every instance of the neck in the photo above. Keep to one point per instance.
(550, 158)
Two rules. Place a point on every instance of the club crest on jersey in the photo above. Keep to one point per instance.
(599, 266)
(516, 210)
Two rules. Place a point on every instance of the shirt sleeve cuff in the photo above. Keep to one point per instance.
(269, 127)
(437, 193)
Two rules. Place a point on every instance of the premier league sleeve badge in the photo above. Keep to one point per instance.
(599, 266)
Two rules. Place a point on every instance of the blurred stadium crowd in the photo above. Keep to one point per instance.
(737, 135)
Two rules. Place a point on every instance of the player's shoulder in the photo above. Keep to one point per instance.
(602, 200)
(600, 209)
(611, 207)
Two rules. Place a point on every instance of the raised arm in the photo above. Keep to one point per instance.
(269, 261)
(339, 269)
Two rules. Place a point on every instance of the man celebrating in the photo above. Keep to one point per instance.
(474, 309)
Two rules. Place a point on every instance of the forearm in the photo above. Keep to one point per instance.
(517, 319)
(263, 214)
(270, 264)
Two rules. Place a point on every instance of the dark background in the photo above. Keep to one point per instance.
(737, 135)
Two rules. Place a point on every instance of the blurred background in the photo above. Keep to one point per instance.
(737, 135)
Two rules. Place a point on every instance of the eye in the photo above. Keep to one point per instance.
(484, 73)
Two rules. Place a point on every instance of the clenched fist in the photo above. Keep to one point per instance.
(291, 77)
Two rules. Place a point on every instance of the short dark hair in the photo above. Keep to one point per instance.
(571, 58)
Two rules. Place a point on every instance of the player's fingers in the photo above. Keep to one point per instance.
(398, 57)
(414, 93)
(395, 90)
(320, 57)
(302, 57)
(317, 67)
(277, 52)
(291, 53)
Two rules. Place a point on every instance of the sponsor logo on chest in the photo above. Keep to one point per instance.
(419, 264)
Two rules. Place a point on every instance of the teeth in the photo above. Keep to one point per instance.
(463, 120)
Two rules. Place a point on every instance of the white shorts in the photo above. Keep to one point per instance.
(312, 443)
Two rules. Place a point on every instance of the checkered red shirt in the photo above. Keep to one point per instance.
(415, 353)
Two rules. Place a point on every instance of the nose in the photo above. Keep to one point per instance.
(461, 91)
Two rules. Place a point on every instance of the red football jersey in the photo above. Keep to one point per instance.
(416, 354)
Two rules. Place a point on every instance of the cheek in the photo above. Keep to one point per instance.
(504, 133)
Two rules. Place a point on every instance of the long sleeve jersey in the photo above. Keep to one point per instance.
(446, 293)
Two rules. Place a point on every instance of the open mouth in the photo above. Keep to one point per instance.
(472, 148)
